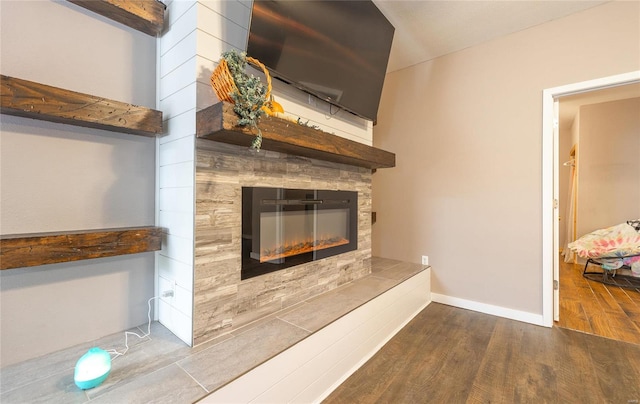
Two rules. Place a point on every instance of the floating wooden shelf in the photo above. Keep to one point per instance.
(218, 122)
(39, 101)
(143, 15)
(27, 250)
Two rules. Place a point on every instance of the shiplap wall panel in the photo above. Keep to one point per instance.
(176, 10)
(210, 48)
(178, 54)
(180, 304)
(178, 79)
(178, 248)
(177, 200)
(205, 65)
(181, 300)
(179, 102)
(179, 224)
(236, 11)
(345, 125)
(205, 95)
(230, 27)
(180, 28)
(180, 126)
(177, 175)
(177, 151)
(176, 270)
(176, 321)
(176, 170)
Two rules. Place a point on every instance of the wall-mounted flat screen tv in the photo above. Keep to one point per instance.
(336, 50)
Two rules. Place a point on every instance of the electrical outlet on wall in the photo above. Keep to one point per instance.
(425, 260)
(167, 288)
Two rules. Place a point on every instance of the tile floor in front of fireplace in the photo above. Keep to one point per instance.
(161, 368)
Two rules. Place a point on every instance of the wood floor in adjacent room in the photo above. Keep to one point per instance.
(596, 308)
(452, 355)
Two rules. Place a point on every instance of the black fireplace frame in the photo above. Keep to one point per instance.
(256, 200)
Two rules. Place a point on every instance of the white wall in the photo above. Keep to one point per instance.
(57, 177)
(467, 130)
(609, 166)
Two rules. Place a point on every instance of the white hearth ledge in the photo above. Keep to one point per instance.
(311, 369)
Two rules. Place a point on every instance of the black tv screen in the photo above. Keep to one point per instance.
(335, 50)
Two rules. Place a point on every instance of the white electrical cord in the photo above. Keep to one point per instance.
(127, 333)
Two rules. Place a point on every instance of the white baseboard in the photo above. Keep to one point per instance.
(310, 370)
(526, 317)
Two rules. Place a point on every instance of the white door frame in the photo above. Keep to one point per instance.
(550, 245)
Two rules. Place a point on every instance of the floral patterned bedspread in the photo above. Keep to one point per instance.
(612, 247)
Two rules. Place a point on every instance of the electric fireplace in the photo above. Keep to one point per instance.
(285, 227)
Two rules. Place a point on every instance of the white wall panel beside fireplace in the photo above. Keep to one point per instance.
(179, 224)
(178, 54)
(178, 78)
(222, 26)
(178, 8)
(176, 321)
(179, 102)
(179, 249)
(205, 95)
(178, 127)
(177, 175)
(238, 12)
(176, 171)
(174, 270)
(227, 21)
(177, 151)
(176, 200)
(210, 49)
(180, 26)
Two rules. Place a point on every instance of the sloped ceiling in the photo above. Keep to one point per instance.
(428, 29)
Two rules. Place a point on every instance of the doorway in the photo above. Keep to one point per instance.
(550, 181)
(599, 134)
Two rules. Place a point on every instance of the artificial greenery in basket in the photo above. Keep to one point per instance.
(249, 95)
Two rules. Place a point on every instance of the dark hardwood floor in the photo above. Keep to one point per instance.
(452, 355)
(595, 308)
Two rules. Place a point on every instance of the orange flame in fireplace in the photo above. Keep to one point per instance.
(295, 248)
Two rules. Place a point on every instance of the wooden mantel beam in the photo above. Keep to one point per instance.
(143, 15)
(27, 250)
(39, 101)
(219, 123)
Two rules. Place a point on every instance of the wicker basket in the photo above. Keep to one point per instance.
(223, 84)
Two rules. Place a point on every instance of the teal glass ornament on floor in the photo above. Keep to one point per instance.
(92, 368)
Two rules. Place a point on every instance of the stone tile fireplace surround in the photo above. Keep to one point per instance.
(222, 302)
